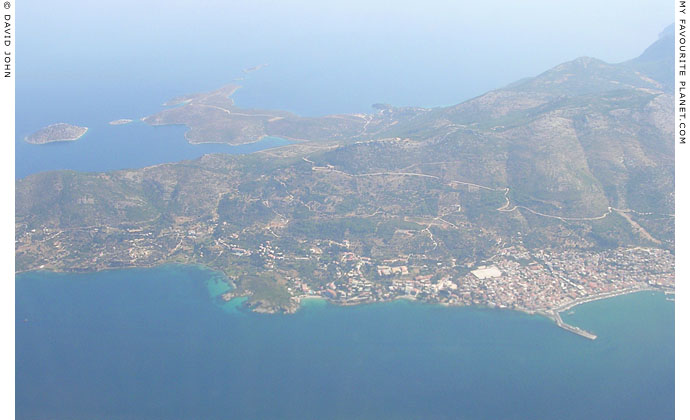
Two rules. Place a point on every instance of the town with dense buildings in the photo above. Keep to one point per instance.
(541, 281)
(514, 279)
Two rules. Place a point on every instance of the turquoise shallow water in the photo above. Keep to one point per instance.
(159, 344)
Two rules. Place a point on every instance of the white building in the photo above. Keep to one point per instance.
(486, 272)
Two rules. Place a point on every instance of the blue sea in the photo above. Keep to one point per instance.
(160, 344)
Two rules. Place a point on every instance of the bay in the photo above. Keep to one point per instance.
(106, 147)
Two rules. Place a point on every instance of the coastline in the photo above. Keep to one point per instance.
(553, 314)
(198, 266)
(456, 335)
(242, 143)
(605, 295)
(195, 142)
(312, 297)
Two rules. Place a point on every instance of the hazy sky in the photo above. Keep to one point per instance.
(400, 50)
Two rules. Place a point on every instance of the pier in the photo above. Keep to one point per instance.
(575, 330)
(555, 314)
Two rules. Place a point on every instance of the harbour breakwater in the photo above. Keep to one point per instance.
(555, 314)
(571, 328)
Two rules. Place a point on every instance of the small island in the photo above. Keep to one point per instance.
(56, 132)
(254, 68)
(121, 121)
